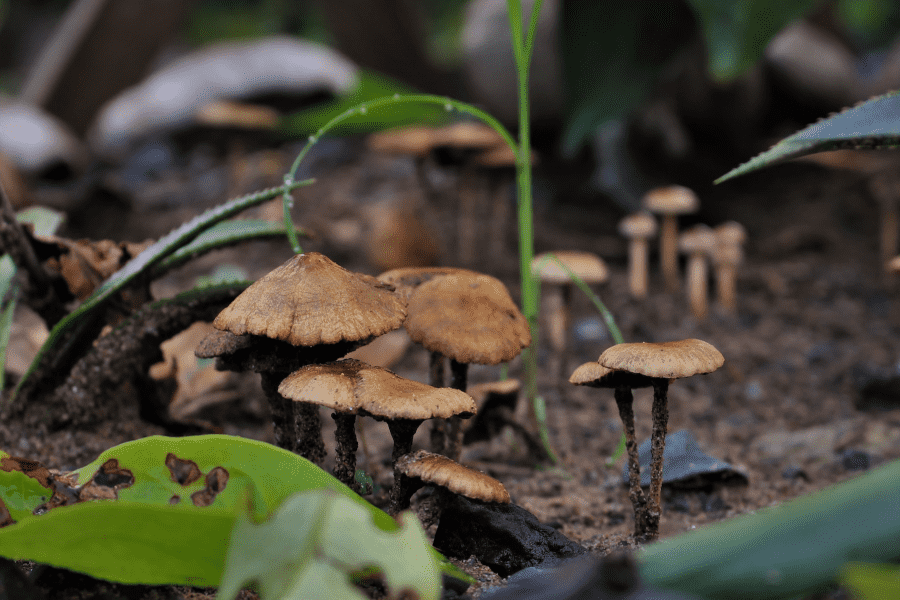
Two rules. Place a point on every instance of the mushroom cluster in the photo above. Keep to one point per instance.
(624, 367)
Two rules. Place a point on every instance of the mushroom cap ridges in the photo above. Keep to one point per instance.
(589, 267)
(672, 200)
(469, 318)
(669, 360)
(439, 470)
(310, 300)
(352, 386)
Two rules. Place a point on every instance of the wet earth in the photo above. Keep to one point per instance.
(809, 394)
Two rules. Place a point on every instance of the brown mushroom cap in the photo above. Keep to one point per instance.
(639, 225)
(467, 135)
(668, 360)
(893, 265)
(439, 470)
(589, 267)
(593, 374)
(410, 141)
(672, 200)
(468, 318)
(405, 279)
(699, 238)
(731, 233)
(310, 300)
(352, 386)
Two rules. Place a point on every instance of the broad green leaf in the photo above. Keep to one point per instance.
(221, 235)
(787, 551)
(371, 86)
(612, 54)
(869, 581)
(149, 258)
(737, 31)
(872, 124)
(313, 544)
(153, 478)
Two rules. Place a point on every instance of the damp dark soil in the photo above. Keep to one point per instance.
(807, 397)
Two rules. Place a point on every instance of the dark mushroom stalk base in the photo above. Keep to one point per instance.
(459, 381)
(438, 437)
(644, 522)
(657, 447)
(402, 432)
(345, 451)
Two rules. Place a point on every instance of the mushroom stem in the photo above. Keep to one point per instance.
(726, 286)
(637, 267)
(408, 486)
(438, 437)
(402, 432)
(458, 381)
(697, 275)
(308, 427)
(345, 451)
(668, 251)
(657, 447)
(624, 401)
(281, 408)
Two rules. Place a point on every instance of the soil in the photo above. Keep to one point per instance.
(816, 321)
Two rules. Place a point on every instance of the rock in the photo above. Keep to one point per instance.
(583, 578)
(685, 465)
(170, 98)
(505, 537)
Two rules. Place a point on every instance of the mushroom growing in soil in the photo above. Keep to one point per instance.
(727, 257)
(469, 318)
(308, 310)
(624, 367)
(352, 387)
(669, 202)
(589, 267)
(424, 468)
(699, 243)
(638, 228)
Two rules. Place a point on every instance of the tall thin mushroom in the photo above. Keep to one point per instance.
(669, 202)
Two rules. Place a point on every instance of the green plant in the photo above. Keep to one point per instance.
(166, 507)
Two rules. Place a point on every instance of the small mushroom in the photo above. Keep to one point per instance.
(352, 387)
(727, 257)
(669, 202)
(469, 318)
(656, 364)
(699, 243)
(424, 468)
(638, 228)
(308, 310)
(589, 267)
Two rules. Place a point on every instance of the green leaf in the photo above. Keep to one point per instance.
(221, 235)
(872, 124)
(147, 260)
(787, 551)
(737, 31)
(613, 54)
(868, 581)
(313, 544)
(154, 517)
(371, 86)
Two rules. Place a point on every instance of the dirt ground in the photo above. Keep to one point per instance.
(816, 321)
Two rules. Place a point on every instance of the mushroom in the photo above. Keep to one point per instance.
(352, 387)
(589, 267)
(642, 365)
(469, 318)
(699, 243)
(669, 202)
(637, 228)
(424, 468)
(308, 310)
(727, 255)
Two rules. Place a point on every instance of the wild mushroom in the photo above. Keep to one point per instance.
(308, 310)
(727, 256)
(469, 318)
(669, 202)
(424, 468)
(351, 387)
(656, 364)
(698, 243)
(589, 267)
(638, 228)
